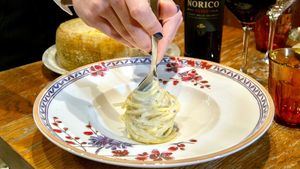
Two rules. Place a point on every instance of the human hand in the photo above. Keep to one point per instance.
(132, 22)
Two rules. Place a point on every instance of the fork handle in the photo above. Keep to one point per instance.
(154, 55)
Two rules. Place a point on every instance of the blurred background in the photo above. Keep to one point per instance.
(230, 20)
(27, 29)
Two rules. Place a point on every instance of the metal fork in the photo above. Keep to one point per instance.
(152, 75)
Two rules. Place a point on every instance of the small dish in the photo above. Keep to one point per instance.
(49, 58)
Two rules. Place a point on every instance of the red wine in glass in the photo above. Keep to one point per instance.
(247, 11)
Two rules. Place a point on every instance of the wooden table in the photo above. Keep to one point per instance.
(23, 146)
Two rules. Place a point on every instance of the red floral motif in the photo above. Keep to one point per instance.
(181, 145)
(173, 148)
(193, 140)
(70, 142)
(98, 70)
(174, 64)
(142, 156)
(155, 156)
(195, 78)
(118, 148)
(57, 130)
(70, 139)
(158, 156)
(175, 82)
(188, 76)
(164, 82)
(205, 65)
(88, 133)
(191, 62)
(120, 153)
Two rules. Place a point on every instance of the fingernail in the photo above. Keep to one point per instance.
(158, 35)
(178, 8)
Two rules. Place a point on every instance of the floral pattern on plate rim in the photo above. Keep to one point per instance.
(191, 75)
(103, 67)
(97, 141)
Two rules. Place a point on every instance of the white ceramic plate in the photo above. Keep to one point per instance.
(222, 111)
(49, 58)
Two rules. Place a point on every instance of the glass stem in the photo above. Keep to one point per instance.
(273, 14)
(272, 29)
(246, 29)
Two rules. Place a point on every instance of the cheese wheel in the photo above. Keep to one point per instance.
(78, 44)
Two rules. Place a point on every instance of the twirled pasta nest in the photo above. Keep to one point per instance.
(149, 116)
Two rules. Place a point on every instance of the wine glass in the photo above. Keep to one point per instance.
(260, 67)
(247, 11)
(274, 13)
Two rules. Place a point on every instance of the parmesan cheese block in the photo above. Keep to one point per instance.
(78, 44)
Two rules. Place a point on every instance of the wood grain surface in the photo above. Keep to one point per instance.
(23, 146)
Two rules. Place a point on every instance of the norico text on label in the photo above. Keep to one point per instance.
(203, 4)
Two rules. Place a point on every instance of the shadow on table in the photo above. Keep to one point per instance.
(18, 90)
(48, 74)
(254, 156)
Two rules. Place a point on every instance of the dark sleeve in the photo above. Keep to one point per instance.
(27, 28)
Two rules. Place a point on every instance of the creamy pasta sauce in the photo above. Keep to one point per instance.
(149, 116)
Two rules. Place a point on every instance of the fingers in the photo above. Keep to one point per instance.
(140, 10)
(140, 37)
(170, 25)
(90, 11)
(109, 14)
(131, 21)
(103, 25)
(167, 9)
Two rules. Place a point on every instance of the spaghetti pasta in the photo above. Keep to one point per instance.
(149, 116)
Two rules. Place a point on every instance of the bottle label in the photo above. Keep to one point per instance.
(203, 11)
(203, 28)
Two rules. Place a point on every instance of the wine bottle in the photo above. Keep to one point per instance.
(203, 20)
